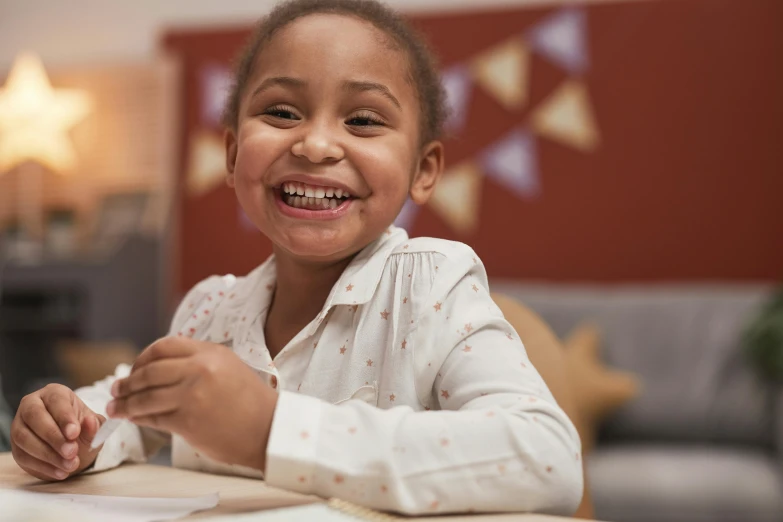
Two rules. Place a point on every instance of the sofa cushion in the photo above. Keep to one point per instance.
(684, 343)
(638, 483)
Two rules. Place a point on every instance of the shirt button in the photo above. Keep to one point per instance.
(273, 381)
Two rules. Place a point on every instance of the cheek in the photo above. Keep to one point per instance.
(258, 148)
(387, 167)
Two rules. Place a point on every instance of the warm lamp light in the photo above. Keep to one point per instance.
(34, 124)
(35, 118)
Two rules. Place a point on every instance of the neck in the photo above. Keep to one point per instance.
(304, 284)
(302, 288)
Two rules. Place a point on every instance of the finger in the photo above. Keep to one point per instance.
(38, 468)
(166, 348)
(39, 421)
(32, 445)
(166, 372)
(91, 423)
(60, 406)
(154, 401)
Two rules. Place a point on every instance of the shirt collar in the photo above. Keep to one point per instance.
(356, 285)
(360, 278)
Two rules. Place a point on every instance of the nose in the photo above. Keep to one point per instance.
(318, 145)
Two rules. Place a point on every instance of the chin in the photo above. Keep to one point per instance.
(316, 245)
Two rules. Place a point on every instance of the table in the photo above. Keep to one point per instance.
(237, 495)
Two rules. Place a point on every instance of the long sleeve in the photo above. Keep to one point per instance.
(129, 442)
(499, 443)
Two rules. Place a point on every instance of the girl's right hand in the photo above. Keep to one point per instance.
(52, 432)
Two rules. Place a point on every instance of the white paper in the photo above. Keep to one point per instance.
(105, 431)
(25, 506)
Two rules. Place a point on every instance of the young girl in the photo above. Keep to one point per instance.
(354, 362)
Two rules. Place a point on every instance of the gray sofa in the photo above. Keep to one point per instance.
(704, 440)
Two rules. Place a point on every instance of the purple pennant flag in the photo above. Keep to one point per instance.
(407, 215)
(215, 86)
(458, 85)
(562, 38)
(513, 163)
(244, 221)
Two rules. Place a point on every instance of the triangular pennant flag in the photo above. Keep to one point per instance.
(215, 87)
(566, 116)
(512, 162)
(207, 163)
(457, 196)
(562, 38)
(458, 85)
(504, 72)
(244, 221)
(407, 215)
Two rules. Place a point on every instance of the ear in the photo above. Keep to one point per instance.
(428, 172)
(230, 140)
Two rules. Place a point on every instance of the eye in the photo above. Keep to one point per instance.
(281, 112)
(365, 119)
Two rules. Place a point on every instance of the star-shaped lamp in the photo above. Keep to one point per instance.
(35, 118)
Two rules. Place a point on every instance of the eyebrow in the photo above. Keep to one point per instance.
(350, 85)
(285, 81)
(359, 86)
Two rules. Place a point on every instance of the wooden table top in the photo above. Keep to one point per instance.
(237, 494)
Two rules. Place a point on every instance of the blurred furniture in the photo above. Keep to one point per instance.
(117, 298)
(704, 439)
(237, 495)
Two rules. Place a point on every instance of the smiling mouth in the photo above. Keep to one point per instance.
(312, 197)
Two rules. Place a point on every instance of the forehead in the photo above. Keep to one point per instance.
(332, 48)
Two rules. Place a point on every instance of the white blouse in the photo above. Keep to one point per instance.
(408, 392)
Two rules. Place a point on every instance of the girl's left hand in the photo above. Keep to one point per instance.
(202, 392)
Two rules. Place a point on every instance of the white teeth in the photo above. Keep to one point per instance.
(333, 203)
(329, 192)
(320, 192)
(311, 201)
(309, 192)
(346, 194)
(300, 190)
(338, 193)
(297, 201)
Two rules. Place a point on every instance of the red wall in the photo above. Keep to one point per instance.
(686, 185)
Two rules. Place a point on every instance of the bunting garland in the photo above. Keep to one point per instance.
(456, 197)
(567, 117)
(562, 39)
(458, 85)
(502, 72)
(512, 162)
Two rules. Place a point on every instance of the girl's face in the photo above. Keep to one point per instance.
(327, 145)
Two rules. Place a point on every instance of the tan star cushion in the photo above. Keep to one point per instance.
(596, 389)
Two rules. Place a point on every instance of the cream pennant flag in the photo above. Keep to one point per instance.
(566, 116)
(207, 163)
(504, 72)
(456, 198)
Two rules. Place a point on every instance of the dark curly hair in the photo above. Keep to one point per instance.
(423, 71)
